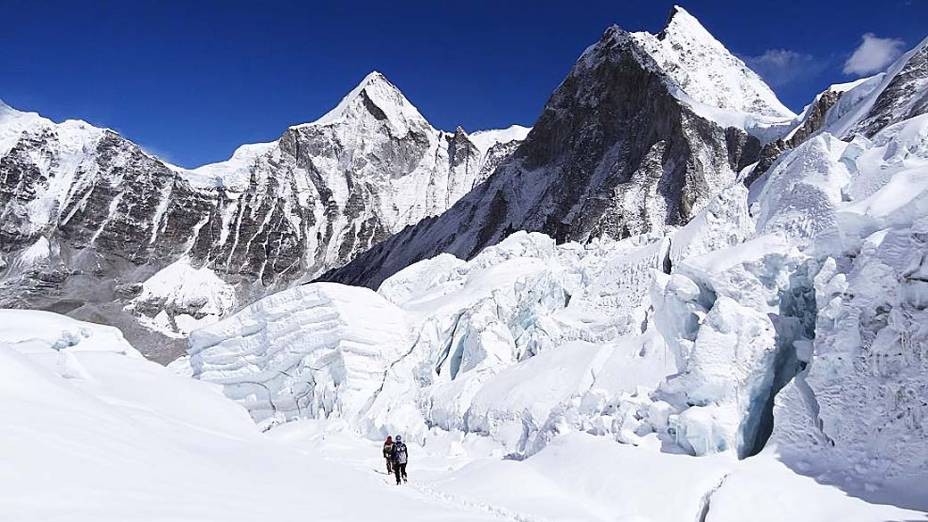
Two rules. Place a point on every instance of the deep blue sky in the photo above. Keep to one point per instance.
(192, 82)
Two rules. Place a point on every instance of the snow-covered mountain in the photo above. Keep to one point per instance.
(93, 226)
(709, 77)
(784, 321)
(864, 106)
(640, 136)
(672, 300)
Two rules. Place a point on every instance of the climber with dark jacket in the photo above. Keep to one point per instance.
(399, 456)
(388, 453)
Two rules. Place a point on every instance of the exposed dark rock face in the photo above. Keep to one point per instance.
(815, 118)
(614, 153)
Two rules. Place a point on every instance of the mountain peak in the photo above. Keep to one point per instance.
(375, 97)
(681, 26)
(680, 21)
(375, 78)
(708, 73)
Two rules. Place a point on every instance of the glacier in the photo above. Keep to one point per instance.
(757, 330)
(445, 324)
(759, 353)
(102, 435)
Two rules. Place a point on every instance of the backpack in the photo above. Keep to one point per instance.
(387, 450)
(399, 452)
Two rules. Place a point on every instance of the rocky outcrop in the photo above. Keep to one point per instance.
(813, 119)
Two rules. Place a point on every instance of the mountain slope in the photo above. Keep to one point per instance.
(902, 94)
(93, 226)
(861, 107)
(620, 149)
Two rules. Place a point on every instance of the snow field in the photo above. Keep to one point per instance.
(100, 434)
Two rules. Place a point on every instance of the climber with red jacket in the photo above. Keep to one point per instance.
(388, 453)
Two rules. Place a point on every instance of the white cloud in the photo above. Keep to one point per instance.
(873, 55)
(782, 66)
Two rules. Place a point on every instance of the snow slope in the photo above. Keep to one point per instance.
(99, 434)
(716, 84)
(487, 139)
(901, 94)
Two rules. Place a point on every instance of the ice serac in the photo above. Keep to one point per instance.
(319, 349)
(582, 172)
(860, 405)
(127, 239)
(449, 338)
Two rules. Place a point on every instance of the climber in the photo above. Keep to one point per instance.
(399, 457)
(388, 454)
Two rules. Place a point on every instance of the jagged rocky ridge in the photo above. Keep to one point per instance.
(92, 226)
(642, 133)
